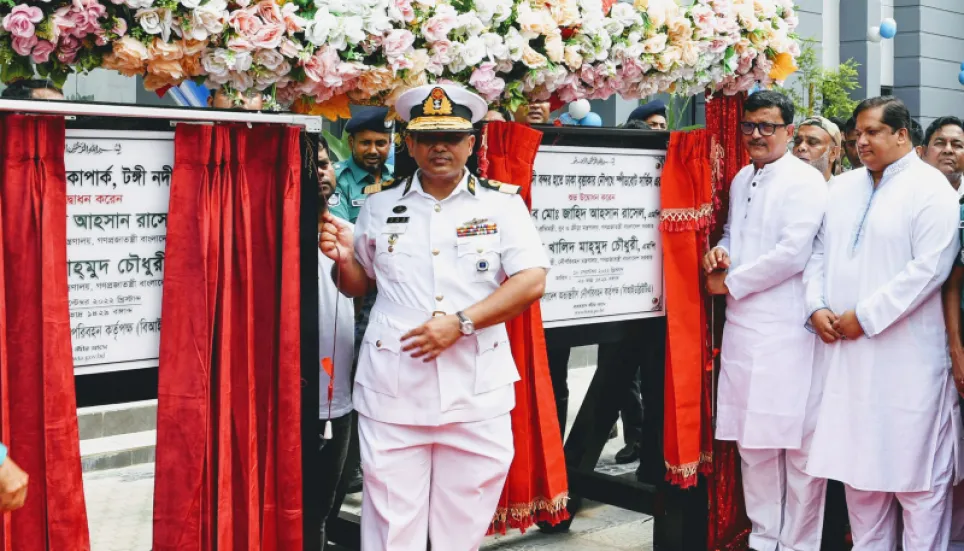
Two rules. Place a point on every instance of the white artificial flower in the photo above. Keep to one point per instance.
(319, 27)
(155, 21)
(495, 47)
(190, 4)
(516, 43)
(473, 51)
(346, 31)
(469, 24)
(207, 20)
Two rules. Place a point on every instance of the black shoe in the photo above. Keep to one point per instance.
(355, 482)
(628, 454)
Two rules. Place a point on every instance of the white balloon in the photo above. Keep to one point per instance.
(873, 34)
(579, 109)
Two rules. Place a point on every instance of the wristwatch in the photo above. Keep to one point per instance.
(465, 324)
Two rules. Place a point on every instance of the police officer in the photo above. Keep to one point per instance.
(370, 139)
(453, 256)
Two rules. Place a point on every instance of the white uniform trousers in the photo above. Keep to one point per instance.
(926, 515)
(784, 504)
(424, 483)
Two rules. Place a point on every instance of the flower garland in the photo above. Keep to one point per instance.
(329, 52)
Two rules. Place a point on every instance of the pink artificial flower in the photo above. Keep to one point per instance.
(41, 52)
(289, 48)
(485, 81)
(405, 9)
(244, 22)
(240, 44)
(269, 12)
(21, 21)
(319, 65)
(24, 45)
(86, 15)
(397, 43)
(63, 24)
(269, 36)
(438, 26)
(293, 22)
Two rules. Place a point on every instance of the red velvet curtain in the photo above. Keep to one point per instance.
(686, 197)
(537, 488)
(38, 407)
(729, 527)
(228, 468)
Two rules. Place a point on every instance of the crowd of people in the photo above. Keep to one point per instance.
(835, 357)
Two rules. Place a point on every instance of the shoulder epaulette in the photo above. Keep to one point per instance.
(382, 186)
(511, 189)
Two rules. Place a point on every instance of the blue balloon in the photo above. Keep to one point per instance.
(592, 119)
(567, 120)
(888, 28)
(960, 77)
(962, 65)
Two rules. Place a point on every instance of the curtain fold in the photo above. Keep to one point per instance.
(38, 406)
(729, 527)
(228, 467)
(686, 197)
(536, 489)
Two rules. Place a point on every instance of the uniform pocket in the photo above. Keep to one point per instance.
(480, 257)
(392, 261)
(494, 366)
(381, 347)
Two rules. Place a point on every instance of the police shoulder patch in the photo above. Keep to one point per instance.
(382, 186)
(334, 199)
(510, 189)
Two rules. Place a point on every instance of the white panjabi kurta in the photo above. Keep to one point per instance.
(766, 355)
(885, 253)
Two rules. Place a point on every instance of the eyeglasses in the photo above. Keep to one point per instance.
(765, 128)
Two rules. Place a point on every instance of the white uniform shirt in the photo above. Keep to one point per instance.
(885, 254)
(408, 242)
(767, 353)
(342, 352)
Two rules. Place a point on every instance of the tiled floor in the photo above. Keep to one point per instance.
(119, 505)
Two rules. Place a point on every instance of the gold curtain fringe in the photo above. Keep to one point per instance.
(522, 511)
(685, 475)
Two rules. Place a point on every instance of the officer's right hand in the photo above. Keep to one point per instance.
(822, 321)
(13, 486)
(716, 259)
(336, 240)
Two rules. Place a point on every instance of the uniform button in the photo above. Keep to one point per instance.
(439, 298)
(438, 208)
(754, 184)
(378, 344)
(435, 252)
(480, 250)
(496, 345)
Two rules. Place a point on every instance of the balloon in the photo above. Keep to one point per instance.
(873, 34)
(579, 109)
(567, 120)
(962, 65)
(888, 28)
(960, 77)
(591, 119)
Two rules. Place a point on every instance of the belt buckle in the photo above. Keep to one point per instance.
(438, 314)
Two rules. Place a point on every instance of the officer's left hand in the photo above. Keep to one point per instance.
(432, 337)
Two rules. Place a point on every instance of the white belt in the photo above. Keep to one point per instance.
(404, 314)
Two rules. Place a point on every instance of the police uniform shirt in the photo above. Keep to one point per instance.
(350, 183)
(431, 256)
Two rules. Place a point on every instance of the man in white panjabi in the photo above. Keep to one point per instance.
(887, 425)
(776, 207)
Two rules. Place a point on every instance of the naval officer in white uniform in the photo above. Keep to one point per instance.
(453, 257)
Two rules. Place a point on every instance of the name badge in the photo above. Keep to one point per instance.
(358, 202)
(394, 228)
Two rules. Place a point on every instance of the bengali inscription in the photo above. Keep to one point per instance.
(598, 216)
(116, 234)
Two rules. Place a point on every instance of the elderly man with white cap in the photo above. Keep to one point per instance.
(817, 143)
(453, 257)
